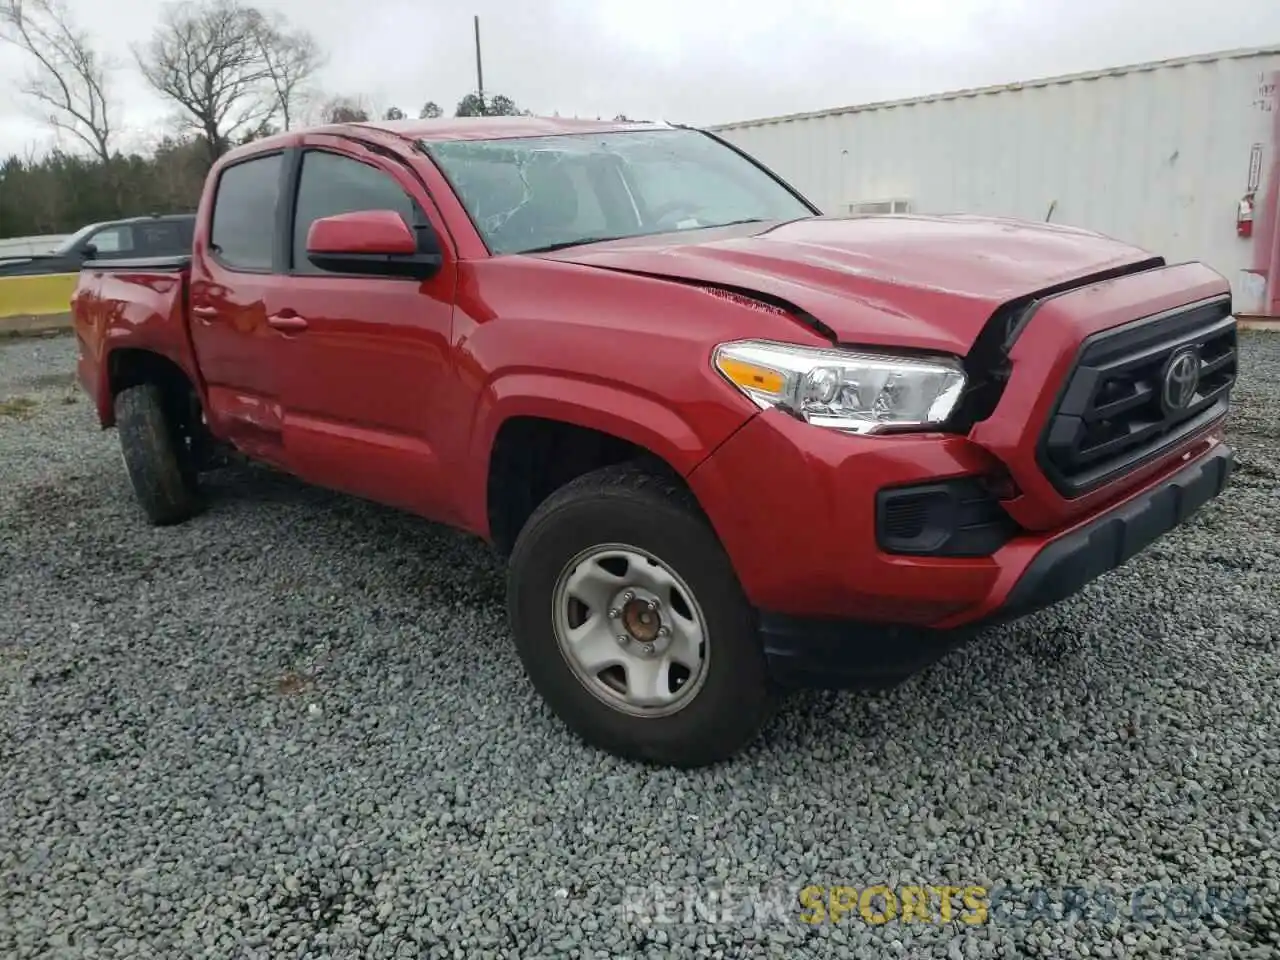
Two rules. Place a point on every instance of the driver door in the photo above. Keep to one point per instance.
(364, 361)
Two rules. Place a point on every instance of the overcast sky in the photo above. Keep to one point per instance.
(696, 61)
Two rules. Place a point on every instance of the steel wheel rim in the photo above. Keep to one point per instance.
(631, 630)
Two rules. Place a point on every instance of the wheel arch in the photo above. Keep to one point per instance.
(131, 366)
(543, 432)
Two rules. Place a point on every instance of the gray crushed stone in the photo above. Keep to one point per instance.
(295, 727)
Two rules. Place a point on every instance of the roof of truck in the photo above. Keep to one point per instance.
(501, 128)
(452, 128)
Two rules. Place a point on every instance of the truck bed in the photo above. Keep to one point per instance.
(143, 297)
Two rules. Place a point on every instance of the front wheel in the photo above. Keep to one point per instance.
(631, 624)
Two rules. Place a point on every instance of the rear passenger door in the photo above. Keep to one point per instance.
(231, 278)
(363, 378)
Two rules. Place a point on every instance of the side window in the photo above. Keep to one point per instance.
(112, 241)
(331, 184)
(244, 213)
(162, 239)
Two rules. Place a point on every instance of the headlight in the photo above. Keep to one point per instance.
(857, 392)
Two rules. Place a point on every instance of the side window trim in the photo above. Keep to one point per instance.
(287, 211)
(444, 231)
(285, 237)
(453, 187)
(758, 164)
(281, 186)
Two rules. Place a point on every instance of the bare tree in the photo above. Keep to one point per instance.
(206, 57)
(69, 83)
(291, 59)
(345, 110)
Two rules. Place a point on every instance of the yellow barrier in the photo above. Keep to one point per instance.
(36, 296)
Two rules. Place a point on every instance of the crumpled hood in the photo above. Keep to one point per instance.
(910, 281)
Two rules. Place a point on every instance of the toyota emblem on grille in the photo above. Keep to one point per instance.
(1181, 380)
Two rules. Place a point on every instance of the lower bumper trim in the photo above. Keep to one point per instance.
(1070, 562)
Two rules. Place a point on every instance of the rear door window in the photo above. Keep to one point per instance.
(244, 213)
(164, 238)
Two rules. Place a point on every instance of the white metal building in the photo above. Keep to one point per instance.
(1159, 154)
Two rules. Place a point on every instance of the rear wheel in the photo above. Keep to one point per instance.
(631, 623)
(157, 457)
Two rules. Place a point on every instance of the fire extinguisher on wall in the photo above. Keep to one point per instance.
(1244, 216)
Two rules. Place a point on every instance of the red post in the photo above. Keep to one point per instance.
(1266, 234)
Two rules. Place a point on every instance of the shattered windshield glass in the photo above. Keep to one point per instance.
(540, 193)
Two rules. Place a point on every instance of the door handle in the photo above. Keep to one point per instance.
(287, 322)
(209, 312)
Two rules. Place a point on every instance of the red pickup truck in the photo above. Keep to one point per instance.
(727, 444)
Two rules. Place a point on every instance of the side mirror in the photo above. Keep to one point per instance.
(89, 251)
(374, 243)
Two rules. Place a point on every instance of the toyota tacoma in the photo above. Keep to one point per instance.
(726, 444)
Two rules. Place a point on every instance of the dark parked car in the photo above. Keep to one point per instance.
(154, 236)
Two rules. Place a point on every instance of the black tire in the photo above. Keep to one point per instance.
(631, 505)
(156, 458)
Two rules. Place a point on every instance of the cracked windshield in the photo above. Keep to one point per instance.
(539, 193)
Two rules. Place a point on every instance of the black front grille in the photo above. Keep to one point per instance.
(1120, 407)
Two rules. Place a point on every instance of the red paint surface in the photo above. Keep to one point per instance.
(129, 310)
(922, 282)
(364, 231)
(794, 508)
(397, 388)
(811, 493)
(1042, 360)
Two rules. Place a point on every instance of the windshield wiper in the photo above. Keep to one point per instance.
(547, 248)
(573, 243)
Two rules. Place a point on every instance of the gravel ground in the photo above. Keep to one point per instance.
(296, 727)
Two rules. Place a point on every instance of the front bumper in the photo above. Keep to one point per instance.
(835, 653)
(794, 507)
